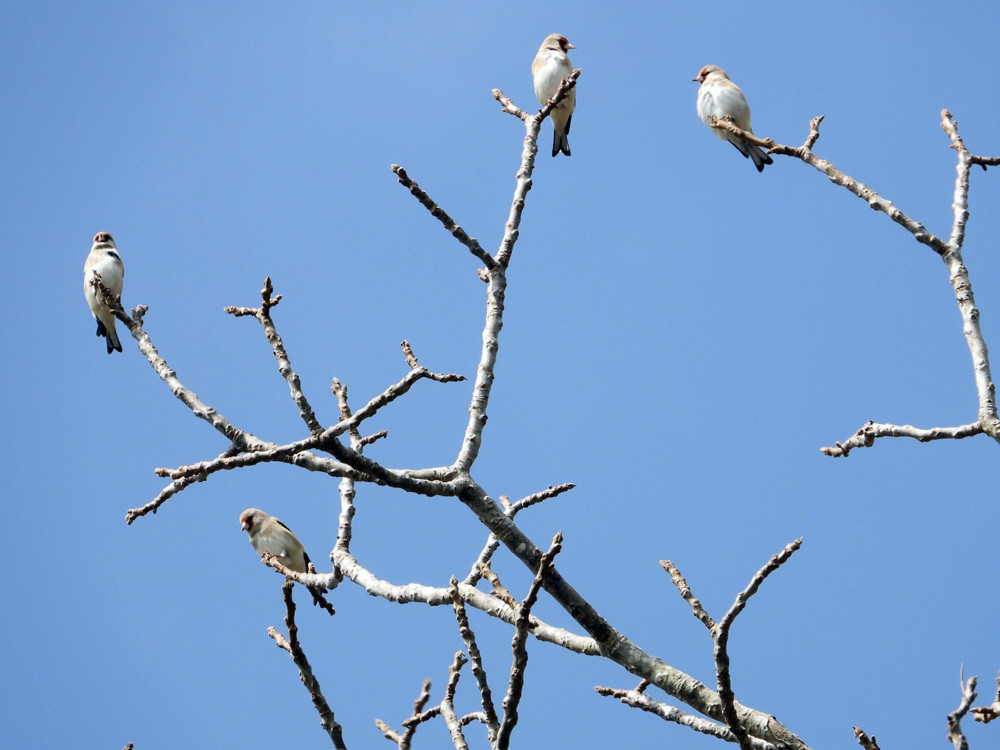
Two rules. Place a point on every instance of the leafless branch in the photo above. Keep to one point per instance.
(519, 647)
(689, 597)
(438, 213)
(475, 659)
(955, 735)
(263, 316)
(721, 636)
(636, 699)
(448, 704)
(410, 593)
(316, 584)
(871, 431)
(986, 714)
(294, 648)
(511, 509)
(950, 251)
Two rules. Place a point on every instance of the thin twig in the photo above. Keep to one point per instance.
(263, 316)
(689, 597)
(475, 660)
(294, 648)
(448, 704)
(721, 636)
(519, 647)
(441, 215)
(866, 436)
(637, 699)
(986, 714)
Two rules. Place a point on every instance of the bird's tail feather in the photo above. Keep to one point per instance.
(560, 143)
(759, 157)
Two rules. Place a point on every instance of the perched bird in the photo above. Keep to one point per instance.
(719, 96)
(550, 66)
(268, 534)
(105, 260)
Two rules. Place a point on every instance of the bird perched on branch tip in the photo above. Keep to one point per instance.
(550, 66)
(104, 259)
(720, 97)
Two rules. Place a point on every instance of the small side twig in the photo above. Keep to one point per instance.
(986, 714)
(686, 593)
(441, 215)
(870, 431)
(263, 316)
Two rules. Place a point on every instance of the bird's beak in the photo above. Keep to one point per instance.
(699, 79)
(244, 526)
(570, 46)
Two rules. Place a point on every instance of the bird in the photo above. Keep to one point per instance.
(548, 69)
(720, 97)
(104, 259)
(269, 535)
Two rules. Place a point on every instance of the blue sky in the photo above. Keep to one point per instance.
(682, 335)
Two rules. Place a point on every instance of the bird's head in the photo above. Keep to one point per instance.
(557, 42)
(250, 519)
(103, 238)
(707, 71)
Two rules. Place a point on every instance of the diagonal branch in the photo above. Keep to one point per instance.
(519, 646)
(439, 213)
(294, 648)
(688, 595)
(636, 699)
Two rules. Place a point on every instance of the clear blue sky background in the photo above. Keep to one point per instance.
(682, 335)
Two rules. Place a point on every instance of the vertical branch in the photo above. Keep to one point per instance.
(498, 276)
(959, 277)
(955, 735)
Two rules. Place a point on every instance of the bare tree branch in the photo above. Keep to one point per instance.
(448, 704)
(950, 252)
(438, 213)
(721, 636)
(666, 712)
(292, 646)
(263, 316)
(986, 714)
(519, 647)
(476, 660)
(689, 597)
(871, 431)
(955, 735)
